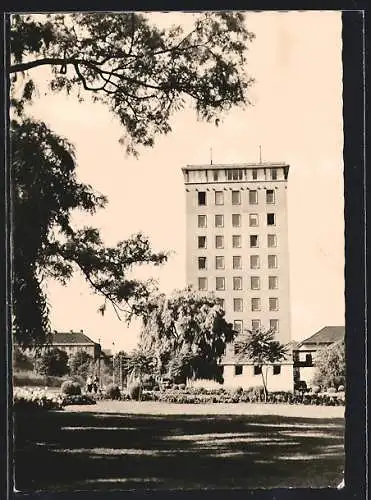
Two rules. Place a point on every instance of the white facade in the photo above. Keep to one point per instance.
(244, 376)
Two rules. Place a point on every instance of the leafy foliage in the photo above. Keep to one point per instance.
(186, 332)
(261, 347)
(81, 363)
(113, 392)
(21, 361)
(45, 192)
(141, 72)
(53, 361)
(140, 363)
(330, 366)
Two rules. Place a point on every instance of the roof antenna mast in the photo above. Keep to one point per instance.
(211, 156)
(260, 154)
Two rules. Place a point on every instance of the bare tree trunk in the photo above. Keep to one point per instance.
(265, 384)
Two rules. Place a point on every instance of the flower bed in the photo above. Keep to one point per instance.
(36, 399)
(254, 395)
(78, 399)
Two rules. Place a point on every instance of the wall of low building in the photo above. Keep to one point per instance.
(204, 383)
(307, 373)
(281, 382)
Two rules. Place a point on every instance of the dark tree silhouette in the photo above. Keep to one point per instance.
(143, 74)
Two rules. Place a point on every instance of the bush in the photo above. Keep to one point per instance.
(148, 382)
(71, 388)
(237, 391)
(301, 386)
(113, 392)
(36, 399)
(78, 399)
(135, 391)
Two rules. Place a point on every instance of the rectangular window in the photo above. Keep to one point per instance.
(237, 262)
(273, 174)
(221, 302)
(253, 220)
(202, 263)
(272, 240)
(219, 221)
(234, 175)
(219, 241)
(255, 304)
(238, 369)
(236, 220)
(219, 262)
(273, 282)
(276, 369)
(236, 241)
(253, 197)
(272, 261)
(202, 242)
(202, 221)
(271, 219)
(254, 262)
(219, 197)
(201, 197)
(215, 175)
(255, 324)
(257, 370)
(273, 304)
(237, 305)
(202, 283)
(255, 282)
(237, 326)
(236, 197)
(254, 241)
(269, 196)
(237, 283)
(273, 325)
(220, 283)
(254, 174)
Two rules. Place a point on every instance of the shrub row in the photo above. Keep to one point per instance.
(29, 399)
(22, 378)
(253, 396)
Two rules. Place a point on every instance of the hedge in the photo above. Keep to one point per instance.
(247, 396)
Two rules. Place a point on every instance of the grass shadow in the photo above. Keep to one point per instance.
(64, 451)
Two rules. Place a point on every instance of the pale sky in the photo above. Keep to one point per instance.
(296, 117)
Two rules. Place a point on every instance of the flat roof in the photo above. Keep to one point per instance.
(209, 166)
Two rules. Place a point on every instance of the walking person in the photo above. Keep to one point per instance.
(89, 384)
(96, 384)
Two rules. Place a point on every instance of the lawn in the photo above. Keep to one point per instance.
(124, 445)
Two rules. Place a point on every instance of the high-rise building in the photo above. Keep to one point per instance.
(237, 241)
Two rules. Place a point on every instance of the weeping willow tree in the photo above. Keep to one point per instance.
(187, 333)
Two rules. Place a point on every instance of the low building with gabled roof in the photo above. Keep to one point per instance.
(306, 351)
(71, 342)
